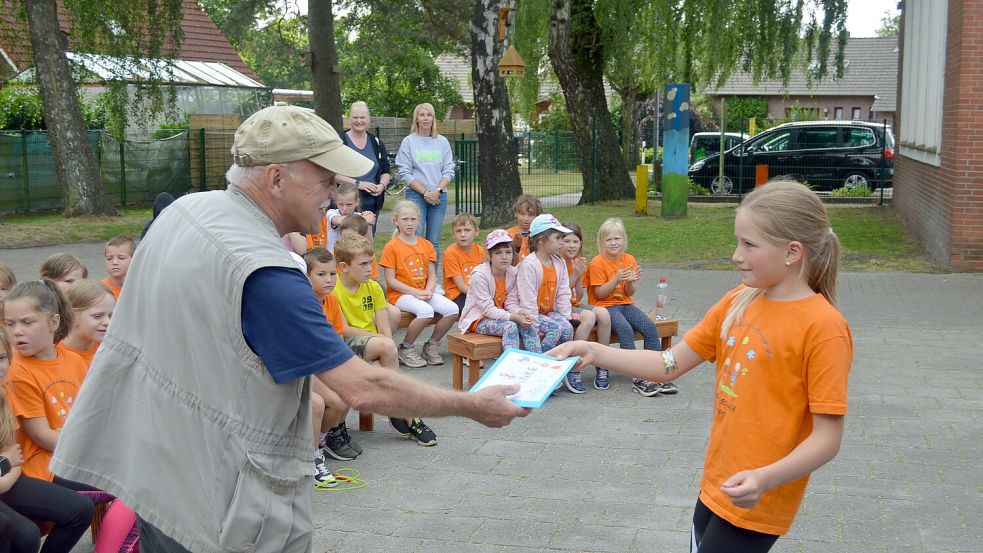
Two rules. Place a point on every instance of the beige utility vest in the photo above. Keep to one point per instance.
(177, 416)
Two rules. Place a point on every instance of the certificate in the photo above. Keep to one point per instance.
(537, 374)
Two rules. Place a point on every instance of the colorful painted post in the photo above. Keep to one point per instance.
(675, 150)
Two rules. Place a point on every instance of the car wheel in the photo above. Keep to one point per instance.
(855, 179)
(723, 185)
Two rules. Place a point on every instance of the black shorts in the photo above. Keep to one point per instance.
(712, 534)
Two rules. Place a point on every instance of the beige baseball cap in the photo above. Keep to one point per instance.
(282, 134)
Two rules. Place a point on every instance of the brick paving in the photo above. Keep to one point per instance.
(612, 471)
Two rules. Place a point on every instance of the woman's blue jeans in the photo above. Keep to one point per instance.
(431, 218)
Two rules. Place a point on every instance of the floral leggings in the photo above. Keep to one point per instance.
(553, 329)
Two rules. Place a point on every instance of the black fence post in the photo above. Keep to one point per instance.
(880, 201)
(25, 167)
(201, 162)
(122, 171)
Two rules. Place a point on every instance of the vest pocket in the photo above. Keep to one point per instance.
(260, 515)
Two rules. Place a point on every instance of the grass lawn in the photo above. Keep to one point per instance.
(873, 238)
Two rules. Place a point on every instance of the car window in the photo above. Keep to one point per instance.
(778, 142)
(860, 137)
(817, 138)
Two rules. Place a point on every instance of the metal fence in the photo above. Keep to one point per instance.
(549, 166)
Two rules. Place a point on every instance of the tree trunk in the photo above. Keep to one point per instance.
(325, 72)
(629, 128)
(498, 166)
(75, 160)
(578, 61)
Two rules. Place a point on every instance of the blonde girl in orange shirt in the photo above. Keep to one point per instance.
(782, 354)
(410, 265)
(93, 304)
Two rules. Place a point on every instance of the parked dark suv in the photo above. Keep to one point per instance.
(823, 154)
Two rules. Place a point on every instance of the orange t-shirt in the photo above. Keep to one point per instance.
(784, 361)
(546, 298)
(523, 240)
(112, 286)
(332, 310)
(499, 300)
(86, 355)
(600, 270)
(411, 263)
(574, 300)
(43, 388)
(319, 240)
(458, 262)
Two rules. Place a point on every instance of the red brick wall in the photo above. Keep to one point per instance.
(943, 206)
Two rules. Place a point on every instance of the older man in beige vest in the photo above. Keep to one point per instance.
(196, 411)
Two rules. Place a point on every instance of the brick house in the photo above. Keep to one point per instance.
(866, 91)
(209, 75)
(938, 182)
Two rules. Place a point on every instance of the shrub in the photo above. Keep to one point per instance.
(855, 192)
(21, 108)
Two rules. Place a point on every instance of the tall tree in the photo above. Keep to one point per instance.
(577, 56)
(326, 74)
(498, 166)
(75, 160)
(694, 41)
(128, 30)
(890, 23)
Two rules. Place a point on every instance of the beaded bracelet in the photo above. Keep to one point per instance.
(669, 360)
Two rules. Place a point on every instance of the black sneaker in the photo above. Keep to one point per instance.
(424, 436)
(351, 443)
(323, 478)
(335, 446)
(669, 388)
(646, 388)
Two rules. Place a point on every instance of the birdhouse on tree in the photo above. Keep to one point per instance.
(512, 64)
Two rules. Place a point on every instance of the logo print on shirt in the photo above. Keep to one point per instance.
(417, 264)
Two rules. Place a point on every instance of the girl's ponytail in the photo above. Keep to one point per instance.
(824, 266)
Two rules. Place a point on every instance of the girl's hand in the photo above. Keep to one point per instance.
(744, 488)
(624, 273)
(13, 454)
(524, 319)
(425, 294)
(636, 275)
(369, 217)
(569, 349)
(579, 266)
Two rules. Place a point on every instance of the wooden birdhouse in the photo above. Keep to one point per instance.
(512, 64)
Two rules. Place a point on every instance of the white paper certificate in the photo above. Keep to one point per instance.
(537, 374)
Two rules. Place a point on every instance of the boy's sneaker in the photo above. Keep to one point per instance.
(322, 476)
(646, 388)
(409, 357)
(335, 446)
(431, 352)
(574, 382)
(669, 388)
(422, 433)
(348, 439)
(601, 379)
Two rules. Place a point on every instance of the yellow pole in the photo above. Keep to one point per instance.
(641, 189)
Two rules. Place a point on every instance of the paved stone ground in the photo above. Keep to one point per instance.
(612, 471)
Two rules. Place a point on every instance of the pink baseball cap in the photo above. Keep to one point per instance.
(496, 237)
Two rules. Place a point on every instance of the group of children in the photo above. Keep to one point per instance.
(52, 328)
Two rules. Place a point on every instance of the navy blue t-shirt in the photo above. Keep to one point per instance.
(284, 325)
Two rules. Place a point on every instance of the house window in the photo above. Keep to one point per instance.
(837, 113)
(922, 79)
(855, 115)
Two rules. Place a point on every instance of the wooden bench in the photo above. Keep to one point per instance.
(475, 347)
(366, 422)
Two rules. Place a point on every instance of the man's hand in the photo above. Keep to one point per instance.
(492, 408)
(14, 455)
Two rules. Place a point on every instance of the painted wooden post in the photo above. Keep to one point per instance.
(642, 189)
(675, 150)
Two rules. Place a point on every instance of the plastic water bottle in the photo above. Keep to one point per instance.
(662, 299)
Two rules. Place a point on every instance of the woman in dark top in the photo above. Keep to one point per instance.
(371, 185)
